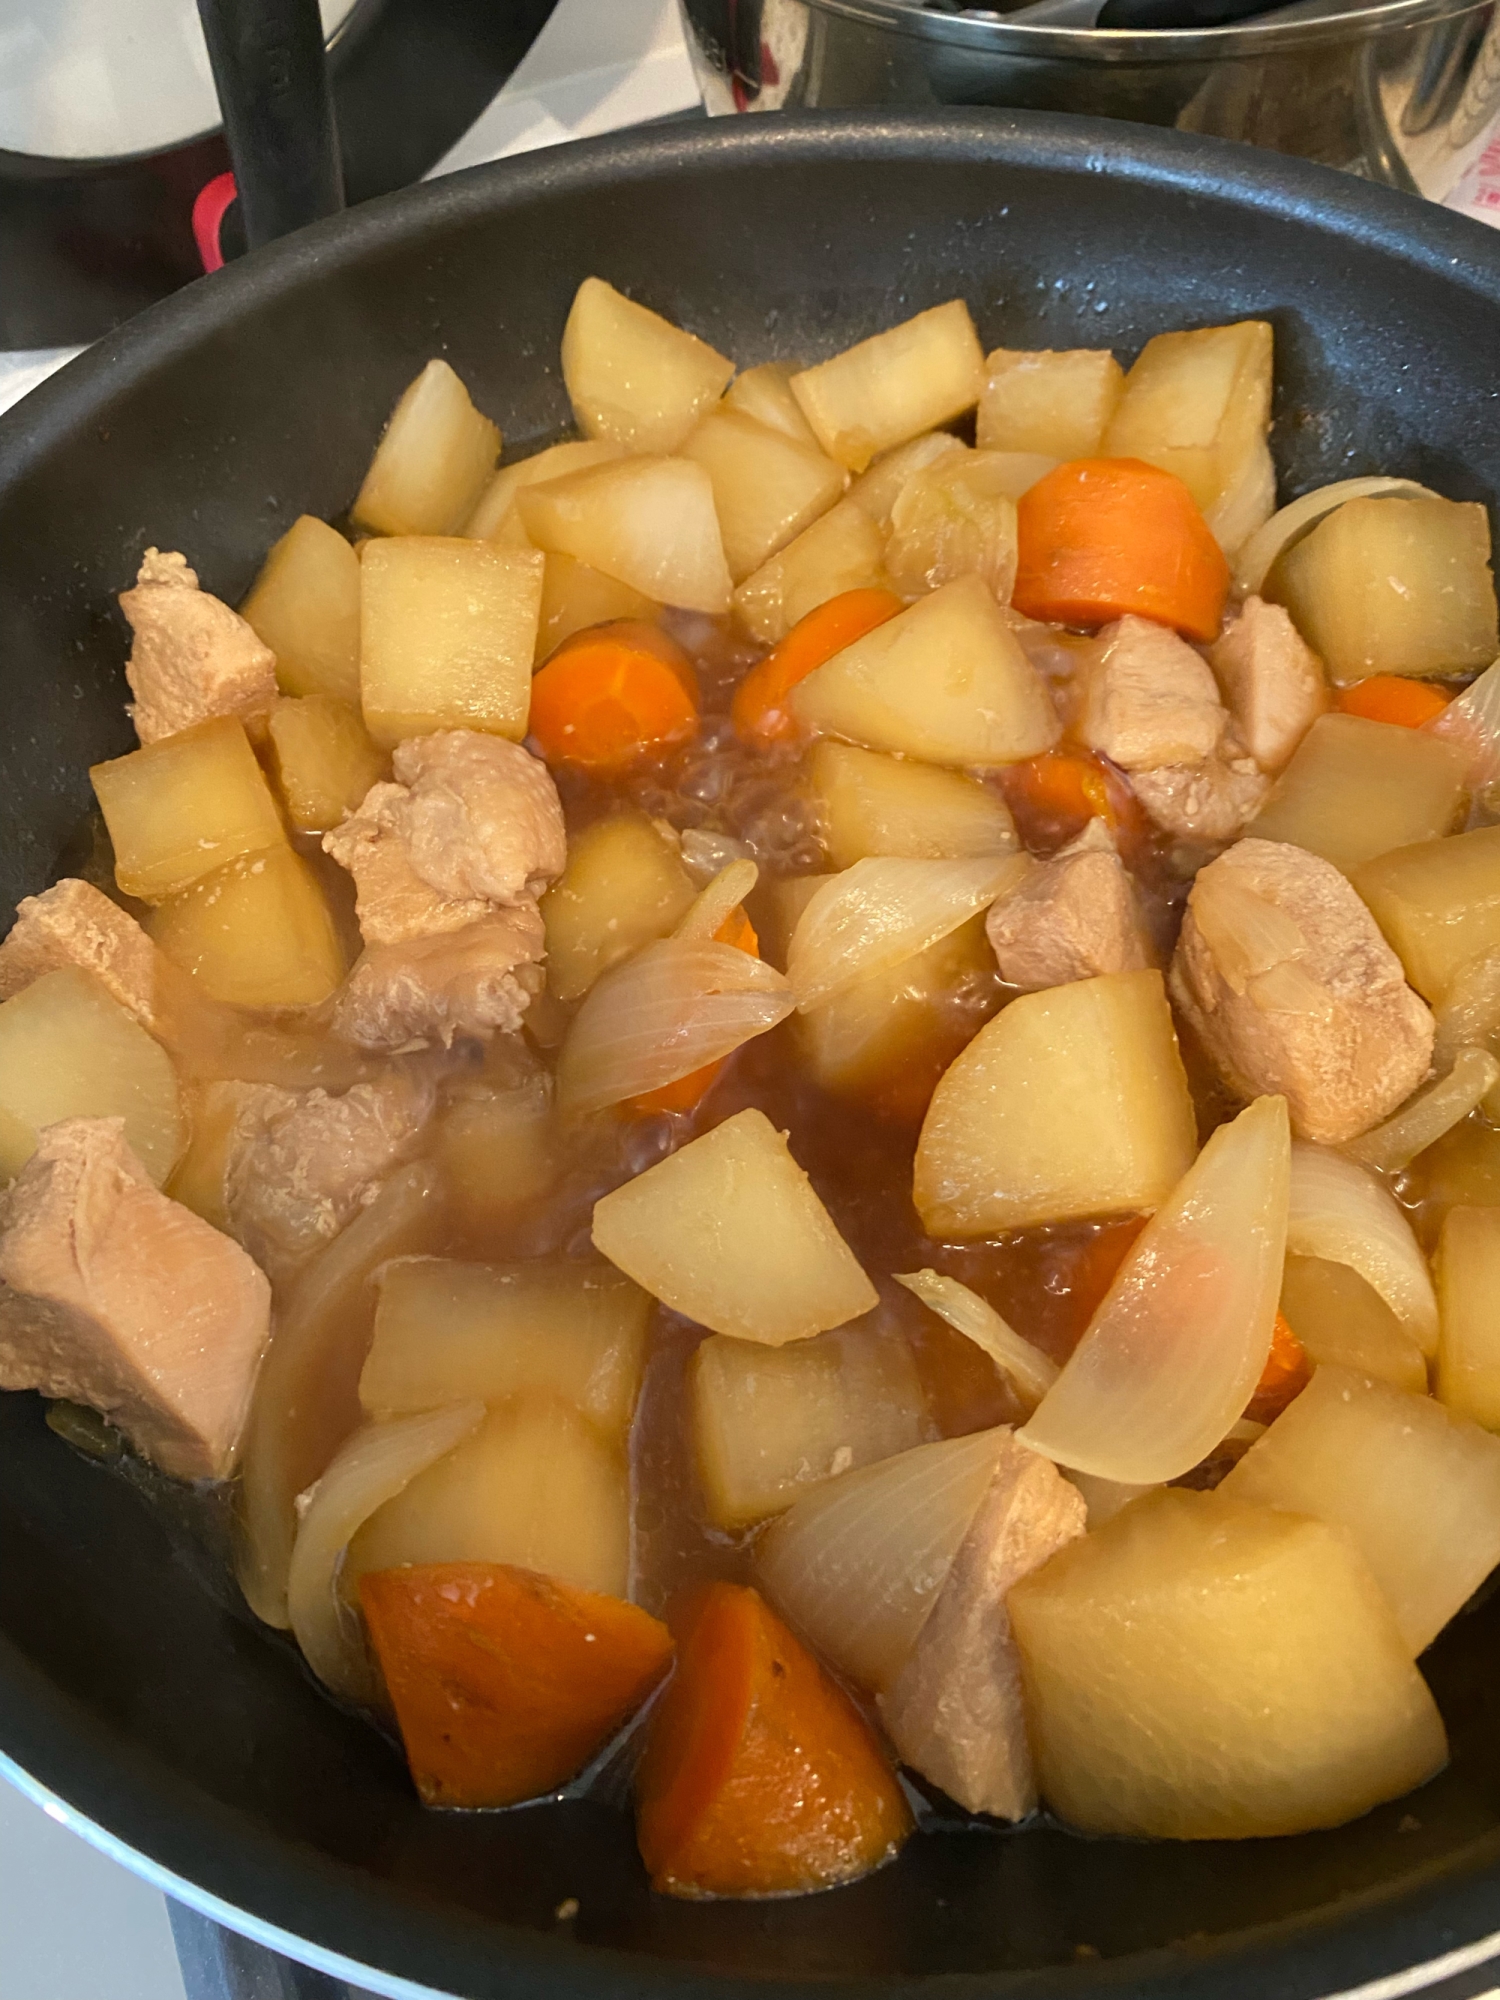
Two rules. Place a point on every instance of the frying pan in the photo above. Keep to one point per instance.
(133, 1688)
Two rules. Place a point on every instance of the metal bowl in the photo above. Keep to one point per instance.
(1405, 93)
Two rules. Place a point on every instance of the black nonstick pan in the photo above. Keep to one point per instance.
(132, 1687)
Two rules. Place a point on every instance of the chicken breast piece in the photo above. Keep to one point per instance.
(955, 1711)
(472, 824)
(1212, 802)
(119, 1298)
(299, 1164)
(1148, 699)
(1289, 984)
(476, 981)
(1271, 680)
(1072, 917)
(192, 657)
(75, 924)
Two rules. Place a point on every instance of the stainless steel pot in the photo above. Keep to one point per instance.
(1406, 92)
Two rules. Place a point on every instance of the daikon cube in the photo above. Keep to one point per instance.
(1393, 587)
(885, 1040)
(913, 377)
(698, 1230)
(842, 551)
(495, 518)
(945, 680)
(1053, 401)
(433, 462)
(634, 377)
(447, 1332)
(1417, 1489)
(1072, 1102)
(305, 606)
(765, 393)
(624, 885)
(873, 804)
(497, 1147)
(1343, 1321)
(1355, 789)
(1197, 1669)
(257, 933)
(769, 1422)
(325, 760)
(574, 596)
(67, 1050)
(1438, 903)
(767, 487)
(1468, 1280)
(535, 1486)
(647, 522)
(956, 518)
(448, 636)
(184, 806)
(1199, 404)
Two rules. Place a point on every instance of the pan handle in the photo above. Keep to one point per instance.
(271, 74)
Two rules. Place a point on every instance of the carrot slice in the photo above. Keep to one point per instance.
(1055, 795)
(1393, 698)
(1286, 1374)
(1100, 537)
(759, 711)
(688, 1092)
(760, 1777)
(613, 695)
(505, 1683)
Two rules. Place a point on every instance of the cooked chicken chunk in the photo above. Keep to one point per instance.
(955, 1711)
(192, 658)
(299, 1164)
(1212, 802)
(75, 924)
(1148, 698)
(475, 981)
(1271, 680)
(472, 824)
(1291, 987)
(1072, 917)
(116, 1297)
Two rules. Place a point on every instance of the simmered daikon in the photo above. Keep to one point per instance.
(1416, 1488)
(1197, 1669)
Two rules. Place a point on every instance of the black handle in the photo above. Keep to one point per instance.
(272, 78)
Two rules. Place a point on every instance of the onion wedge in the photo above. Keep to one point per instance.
(1341, 1212)
(1473, 722)
(1175, 1350)
(884, 910)
(855, 1564)
(669, 1010)
(717, 900)
(1427, 1116)
(373, 1467)
(1255, 560)
(1030, 1372)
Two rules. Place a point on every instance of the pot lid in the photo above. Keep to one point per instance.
(108, 79)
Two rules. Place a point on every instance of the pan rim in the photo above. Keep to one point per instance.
(1346, 1948)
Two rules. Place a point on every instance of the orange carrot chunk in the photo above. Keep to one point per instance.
(688, 1092)
(1100, 537)
(1393, 698)
(1054, 796)
(505, 1683)
(759, 711)
(760, 1777)
(1285, 1375)
(613, 695)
